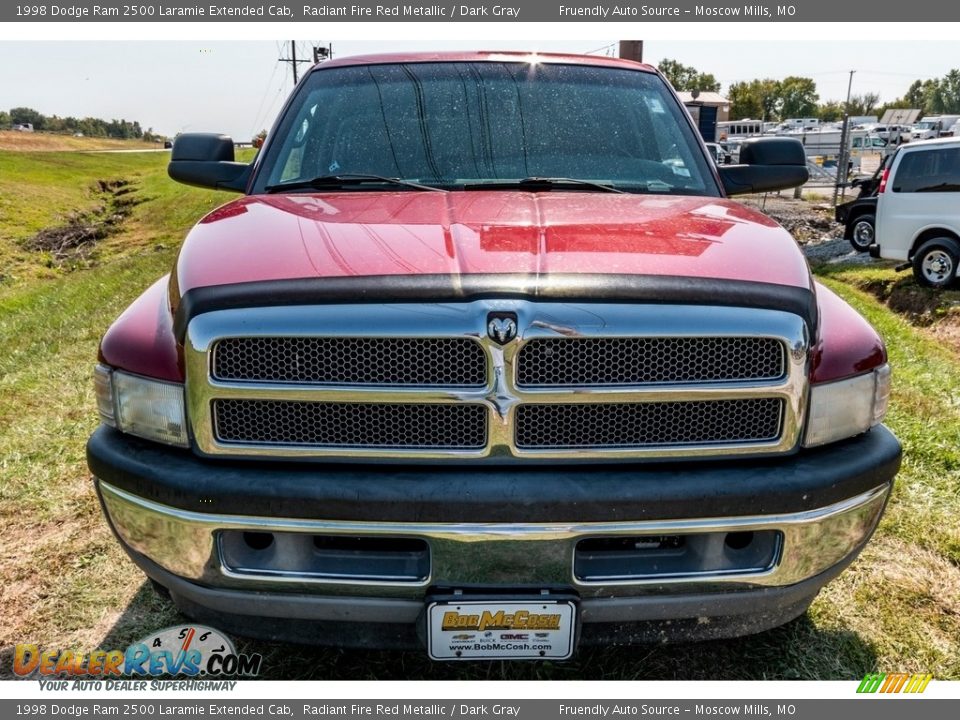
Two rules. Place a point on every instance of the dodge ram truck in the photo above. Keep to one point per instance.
(484, 361)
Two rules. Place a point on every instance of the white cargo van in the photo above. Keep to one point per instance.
(918, 211)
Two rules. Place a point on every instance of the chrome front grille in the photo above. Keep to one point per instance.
(591, 362)
(442, 362)
(653, 424)
(350, 425)
(580, 382)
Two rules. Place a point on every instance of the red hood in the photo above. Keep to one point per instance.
(295, 236)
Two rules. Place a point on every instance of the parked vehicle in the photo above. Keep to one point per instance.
(918, 211)
(740, 129)
(892, 133)
(718, 154)
(859, 216)
(793, 125)
(933, 127)
(827, 141)
(452, 367)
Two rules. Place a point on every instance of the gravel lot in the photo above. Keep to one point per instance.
(811, 223)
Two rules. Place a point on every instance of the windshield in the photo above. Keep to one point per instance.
(476, 123)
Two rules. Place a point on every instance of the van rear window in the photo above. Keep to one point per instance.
(935, 170)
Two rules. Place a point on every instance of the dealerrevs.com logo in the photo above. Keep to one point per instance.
(182, 650)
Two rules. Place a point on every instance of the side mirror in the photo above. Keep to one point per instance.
(206, 160)
(766, 164)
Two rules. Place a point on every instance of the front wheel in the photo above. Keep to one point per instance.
(935, 263)
(861, 233)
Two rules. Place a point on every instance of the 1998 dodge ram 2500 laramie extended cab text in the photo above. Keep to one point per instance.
(484, 361)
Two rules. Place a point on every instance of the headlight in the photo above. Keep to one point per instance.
(151, 409)
(848, 407)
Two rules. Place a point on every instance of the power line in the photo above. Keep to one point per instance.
(600, 49)
(293, 60)
(319, 53)
(263, 99)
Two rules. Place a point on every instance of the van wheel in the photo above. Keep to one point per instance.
(935, 263)
(861, 234)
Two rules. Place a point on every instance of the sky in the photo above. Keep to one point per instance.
(237, 87)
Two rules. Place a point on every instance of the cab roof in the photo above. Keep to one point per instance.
(485, 56)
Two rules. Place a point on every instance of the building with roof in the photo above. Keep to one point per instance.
(707, 109)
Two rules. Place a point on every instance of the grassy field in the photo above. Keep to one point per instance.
(49, 142)
(65, 583)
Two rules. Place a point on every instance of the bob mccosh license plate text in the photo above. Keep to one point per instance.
(482, 629)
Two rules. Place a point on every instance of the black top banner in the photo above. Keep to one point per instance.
(478, 11)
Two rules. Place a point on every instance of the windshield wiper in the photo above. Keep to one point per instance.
(343, 180)
(542, 183)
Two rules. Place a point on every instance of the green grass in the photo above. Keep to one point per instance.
(66, 583)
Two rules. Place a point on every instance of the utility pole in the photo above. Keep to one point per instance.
(293, 60)
(844, 153)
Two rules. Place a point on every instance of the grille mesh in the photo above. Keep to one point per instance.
(584, 362)
(450, 362)
(331, 424)
(648, 424)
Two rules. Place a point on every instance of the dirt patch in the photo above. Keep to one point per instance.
(22, 585)
(921, 306)
(937, 312)
(812, 225)
(807, 221)
(77, 238)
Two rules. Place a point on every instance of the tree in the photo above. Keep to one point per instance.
(932, 96)
(757, 99)
(865, 104)
(797, 97)
(4, 120)
(22, 115)
(916, 96)
(946, 94)
(686, 77)
(830, 111)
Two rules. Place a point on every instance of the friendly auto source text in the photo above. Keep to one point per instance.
(603, 11)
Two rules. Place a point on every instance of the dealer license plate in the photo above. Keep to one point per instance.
(472, 629)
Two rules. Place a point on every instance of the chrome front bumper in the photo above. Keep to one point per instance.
(187, 545)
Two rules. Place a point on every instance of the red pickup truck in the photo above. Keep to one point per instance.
(484, 361)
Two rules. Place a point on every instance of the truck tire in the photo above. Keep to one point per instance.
(935, 263)
(862, 232)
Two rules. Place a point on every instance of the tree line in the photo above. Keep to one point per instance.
(90, 127)
(794, 96)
